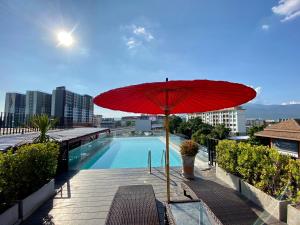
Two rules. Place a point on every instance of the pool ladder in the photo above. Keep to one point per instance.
(149, 161)
(162, 160)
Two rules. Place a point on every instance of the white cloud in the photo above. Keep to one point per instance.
(258, 90)
(132, 43)
(290, 9)
(136, 36)
(293, 102)
(265, 27)
(141, 31)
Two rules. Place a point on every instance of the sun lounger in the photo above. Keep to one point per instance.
(223, 202)
(133, 205)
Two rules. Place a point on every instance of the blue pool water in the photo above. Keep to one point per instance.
(129, 152)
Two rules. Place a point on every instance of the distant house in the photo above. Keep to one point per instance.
(284, 136)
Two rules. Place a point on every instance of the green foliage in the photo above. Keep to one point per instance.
(294, 189)
(250, 162)
(200, 138)
(276, 174)
(252, 138)
(227, 153)
(185, 129)
(220, 132)
(189, 148)
(24, 171)
(44, 124)
(274, 177)
(174, 123)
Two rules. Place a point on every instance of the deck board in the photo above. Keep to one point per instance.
(85, 196)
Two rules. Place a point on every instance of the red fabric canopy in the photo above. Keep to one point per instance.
(176, 97)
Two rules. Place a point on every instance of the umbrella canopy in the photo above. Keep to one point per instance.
(173, 97)
(176, 97)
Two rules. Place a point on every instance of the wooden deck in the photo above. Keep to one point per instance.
(85, 196)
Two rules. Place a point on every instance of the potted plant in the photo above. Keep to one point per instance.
(188, 150)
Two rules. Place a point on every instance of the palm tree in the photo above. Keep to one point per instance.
(44, 124)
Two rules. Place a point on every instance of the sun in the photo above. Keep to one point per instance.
(65, 39)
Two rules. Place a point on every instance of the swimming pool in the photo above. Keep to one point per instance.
(129, 152)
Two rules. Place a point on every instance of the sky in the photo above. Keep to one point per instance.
(119, 43)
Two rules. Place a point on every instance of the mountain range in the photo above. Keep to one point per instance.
(272, 112)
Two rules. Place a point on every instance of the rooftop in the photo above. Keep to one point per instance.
(289, 130)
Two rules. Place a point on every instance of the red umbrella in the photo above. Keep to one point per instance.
(173, 97)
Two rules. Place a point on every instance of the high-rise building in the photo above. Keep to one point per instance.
(72, 108)
(14, 110)
(37, 102)
(233, 118)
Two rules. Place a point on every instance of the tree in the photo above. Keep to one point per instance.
(195, 124)
(220, 132)
(185, 129)
(174, 123)
(44, 124)
(201, 135)
(251, 132)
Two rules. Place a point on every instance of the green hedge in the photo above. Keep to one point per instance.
(25, 170)
(263, 167)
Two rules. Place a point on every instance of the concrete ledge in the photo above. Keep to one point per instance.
(276, 208)
(10, 216)
(293, 215)
(232, 180)
(36, 199)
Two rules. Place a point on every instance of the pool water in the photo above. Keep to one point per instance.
(130, 152)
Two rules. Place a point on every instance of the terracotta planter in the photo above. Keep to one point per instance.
(188, 166)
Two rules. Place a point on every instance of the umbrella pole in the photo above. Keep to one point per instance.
(167, 157)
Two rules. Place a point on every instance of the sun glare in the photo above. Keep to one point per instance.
(65, 39)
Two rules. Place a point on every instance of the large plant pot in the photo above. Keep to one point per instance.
(293, 215)
(277, 208)
(188, 166)
(10, 216)
(36, 199)
(231, 180)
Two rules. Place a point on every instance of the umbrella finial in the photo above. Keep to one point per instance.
(167, 79)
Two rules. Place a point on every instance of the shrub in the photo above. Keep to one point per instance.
(294, 188)
(26, 170)
(274, 178)
(250, 162)
(189, 148)
(276, 174)
(227, 153)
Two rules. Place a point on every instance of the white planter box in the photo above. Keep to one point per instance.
(36, 199)
(276, 208)
(293, 215)
(232, 180)
(10, 216)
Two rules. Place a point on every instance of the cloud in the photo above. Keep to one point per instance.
(136, 36)
(258, 90)
(289, 9)
(265, 27)
(132, 42)
(293, 102)
(141, 31)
